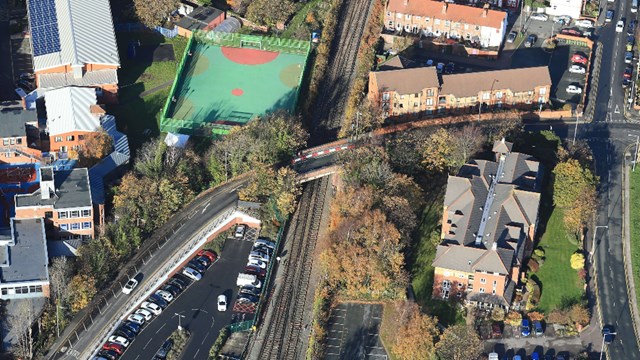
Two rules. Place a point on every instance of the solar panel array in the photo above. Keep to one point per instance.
(44, 27)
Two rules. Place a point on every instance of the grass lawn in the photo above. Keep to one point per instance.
(634, 218)
(561, 285)
(135, 114)
(420, 265)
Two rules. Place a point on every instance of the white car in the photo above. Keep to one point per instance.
(154, 308)
(191, 273)
(165, 295)
(620, 26)
(239, 234)
(540, 17)
(222, 303)
(574, 89)
(577, 69)
(137, 318)
(493, 356)
(130, 285)
(259, 256)
(258, 263)
(586, 23)
(119, 340)
(144, 313)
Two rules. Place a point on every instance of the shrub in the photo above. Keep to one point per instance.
(539, 253)
(497, 314)
(559, 317)
(513, 318)
(180, 339)
(579, 315)
(535, 316)
(533, 265)
(217, 346)
(577, 261)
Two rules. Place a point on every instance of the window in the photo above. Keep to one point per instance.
(493, 291)
(75, 226)
(388, 13)
(75, 214)
(19, 141)
(407, 16)
(447, 23)
(459, 285)
(442, 99)
(399, 16)
(486, 96)
(471, 277)
(415, 104)
(86, 225)
(499, 95)
(417, 17)
(80, 137)
(437, 22)
(541, 100)
(58, 139)
(482, 290)
(70, 138)
(426, 19)
(461, 276)
(385, 96)
(429, 92)
(390, 25)
(48, 214)
(5, 142)
(12, 141)
(445, 294)
(543, 91)
(446, 284)
(86, 213)
(495, 282)
(466, 27)
(64, 227)
(483, 281)
(63, 214)
(7, 154)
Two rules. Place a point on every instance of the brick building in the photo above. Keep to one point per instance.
(405, 91)
(73, 44)
(482, 26)
(488, 225)
(18, 131)
(63, 201)
(202, 18)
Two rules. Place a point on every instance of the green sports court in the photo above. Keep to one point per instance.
(225, 80)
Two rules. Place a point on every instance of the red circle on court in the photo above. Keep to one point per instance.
(246, 56)
(237, 92)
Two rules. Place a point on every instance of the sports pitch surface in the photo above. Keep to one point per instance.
(229, 85)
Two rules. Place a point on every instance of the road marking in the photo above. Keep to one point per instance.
(147, 344)
(161, 328)
(205, 338)
(196, 355)
(205, 208)
(617, 110)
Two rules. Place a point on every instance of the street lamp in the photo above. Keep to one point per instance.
(593, 243)
(603, 336)
(480, 100)
(179, 317)
(635, 159)
(58, 307)
(575, 132)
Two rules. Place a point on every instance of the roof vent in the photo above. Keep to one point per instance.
(469, 262)
(494, 246)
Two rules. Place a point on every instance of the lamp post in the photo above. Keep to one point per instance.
(179, 317)
(480, 100)
(635, 159)
(603, 336)
(593, 243)
(58, 307)
(575, 132)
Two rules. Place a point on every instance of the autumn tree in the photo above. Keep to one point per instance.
(459, 342)
(21, 323)
(574, 190)
(415, 338)
(446, 150)
(83, 289)
(270, 12)
(579, 315)
(153, 13)
(364, 117)
(577, 261)
(98, 259)
(95, 149)
(498, 314)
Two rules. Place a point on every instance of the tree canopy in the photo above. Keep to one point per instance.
(415, 339)
(270, 12)
(459, 342)
(153, 13)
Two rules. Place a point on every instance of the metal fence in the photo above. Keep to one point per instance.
(136, 27)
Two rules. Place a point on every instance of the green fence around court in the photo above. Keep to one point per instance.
(267, 43)
(168, 103)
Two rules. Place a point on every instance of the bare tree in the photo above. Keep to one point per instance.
(59, 275)
(467, 142)
(21, 321)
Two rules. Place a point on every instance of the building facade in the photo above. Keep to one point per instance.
(18, 131)
(482, 26)
(489, 223)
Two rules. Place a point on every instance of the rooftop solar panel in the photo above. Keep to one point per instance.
(44, 27)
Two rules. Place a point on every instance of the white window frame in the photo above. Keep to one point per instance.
(86, 225)
(63, 215)
(64, 227)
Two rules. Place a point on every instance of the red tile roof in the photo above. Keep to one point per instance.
(454, 12)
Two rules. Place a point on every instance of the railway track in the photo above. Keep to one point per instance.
(282, 333)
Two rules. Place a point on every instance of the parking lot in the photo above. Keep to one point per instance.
(353, 332)
(195, 309)
(512, 343)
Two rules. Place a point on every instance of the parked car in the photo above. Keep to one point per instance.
(494, 356)
(620, 26)
(440, 68)
(161, 354)
(209, 254)
(608, 334)
(119, 340)
(258, 263)
(535, 356)
(125, 332)
(113, 346)
(429, 63)
(525, 328)
(496, 330)
(108, 354)
(262, 248)
(625, 84)
(540, 17)
(248, 280)
(191, 273)
(158, 300)
(572, 32)
(537, 328)
(577, 69)
(574, 89)
(563, 20)
(173, 290)
(579, 59)
(222, 303)
(166, 296)
(203, 260)
(154, 308)
(129, 286)
(240, 229)
(631, 28)
(144, 313)
(609, 17)
(628, 72)
(136, 318)
(531, 40)
(250, 290)
(586, 23)
(512, 37)
(259, 255)
(254, 270)
(450, 68)
(197, 266)
(180, 281)
(132, 327)
(628, 57)
(517, 357)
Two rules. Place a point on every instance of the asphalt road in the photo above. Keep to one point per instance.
(202, 211)
(198, 306)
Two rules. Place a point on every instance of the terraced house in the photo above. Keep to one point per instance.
(403, 91)
(482, 26)
(73, 44)
(489, 222)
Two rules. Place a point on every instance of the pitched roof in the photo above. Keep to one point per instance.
(199, 18)
(72, 189)
(516, 80)
(13, 121)
(471, 259)
(454, 12)
(395, 63)
(501, 146)
(407, 81)
(69, 109)
(85, 32)
(91, 78)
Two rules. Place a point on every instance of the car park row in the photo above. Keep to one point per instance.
(251, 281)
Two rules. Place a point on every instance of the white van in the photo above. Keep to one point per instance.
(248, 280)
(267, 243)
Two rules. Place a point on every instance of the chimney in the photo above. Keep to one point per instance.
(485, 10)
(444, 7)
(47, 184)
(97, 110)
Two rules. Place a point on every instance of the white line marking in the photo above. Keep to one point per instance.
(161, 328)
(205, 208)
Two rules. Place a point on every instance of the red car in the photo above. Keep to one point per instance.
(628, 72)
(579, 59)
(254, 270)
(113, 347)
(208, 254)
(571, 32)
